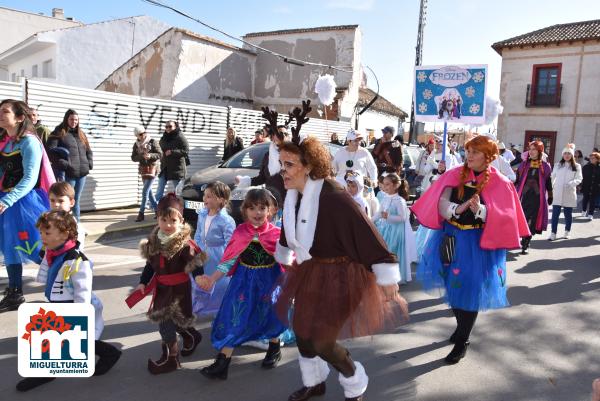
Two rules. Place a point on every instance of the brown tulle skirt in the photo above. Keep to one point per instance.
(333, 299)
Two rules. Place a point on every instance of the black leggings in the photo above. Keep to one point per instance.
(465, 321)
(329, 351)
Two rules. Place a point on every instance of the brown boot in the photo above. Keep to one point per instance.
(191, 338)
(168, 361)
(140, 217)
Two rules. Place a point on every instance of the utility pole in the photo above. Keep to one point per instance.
(412, 137)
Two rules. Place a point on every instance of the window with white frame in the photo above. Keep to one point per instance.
(34, 71)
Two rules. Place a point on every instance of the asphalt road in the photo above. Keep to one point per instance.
(545, 347)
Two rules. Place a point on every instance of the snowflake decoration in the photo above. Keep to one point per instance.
(470, 91)
(474, 109)
(421, 76)
(427, 94)
(422, 108)
(478, 76)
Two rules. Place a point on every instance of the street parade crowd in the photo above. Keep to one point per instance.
(323, 248)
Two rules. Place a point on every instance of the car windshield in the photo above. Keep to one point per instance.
(250, 157)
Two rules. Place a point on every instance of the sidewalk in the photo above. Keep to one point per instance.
(109, 225)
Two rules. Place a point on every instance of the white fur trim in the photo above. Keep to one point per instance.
(301, 240)
(355, 386)
(283, 255)
(244, 181)
(387, 273)
(274, 166)
(314, 370)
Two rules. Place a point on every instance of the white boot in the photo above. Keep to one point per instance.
(567, 234)
(552, 237)
(355, 386)
(314, 370)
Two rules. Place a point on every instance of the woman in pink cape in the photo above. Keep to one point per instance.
(476, 215)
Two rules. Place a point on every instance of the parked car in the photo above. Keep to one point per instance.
(245, 162)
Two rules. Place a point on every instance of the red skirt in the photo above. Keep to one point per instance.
(333, 299)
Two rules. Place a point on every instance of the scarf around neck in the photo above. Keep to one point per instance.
(274, 166)
(165, 239)
(144, 145)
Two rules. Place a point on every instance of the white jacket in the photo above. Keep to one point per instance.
(564, 184)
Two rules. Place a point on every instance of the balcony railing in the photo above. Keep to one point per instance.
(536, 100)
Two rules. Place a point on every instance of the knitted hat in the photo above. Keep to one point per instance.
(170, 200)
(570, 148)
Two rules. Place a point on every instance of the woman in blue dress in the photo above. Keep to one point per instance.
(23, 195)
(213, 232)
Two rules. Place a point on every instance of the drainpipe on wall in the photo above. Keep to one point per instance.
(577, 95)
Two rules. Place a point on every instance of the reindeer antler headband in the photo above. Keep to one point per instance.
(300, 117)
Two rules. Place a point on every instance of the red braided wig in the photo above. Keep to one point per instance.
(489, 148)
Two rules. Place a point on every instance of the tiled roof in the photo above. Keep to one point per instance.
(382, 105)
(575, 31)
(302, 30)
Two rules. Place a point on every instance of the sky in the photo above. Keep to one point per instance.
(456, 32)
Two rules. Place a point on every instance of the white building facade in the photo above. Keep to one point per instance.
(550, 87)
(80, 56)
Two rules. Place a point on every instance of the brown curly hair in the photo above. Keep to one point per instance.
(61, 220)
(312, 153)
(489, 148)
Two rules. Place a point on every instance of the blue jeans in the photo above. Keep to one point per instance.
(162, 183)
(77, 184)
(556, 216)
(15, 275)
(148, 195)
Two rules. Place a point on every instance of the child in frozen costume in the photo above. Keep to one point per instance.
(67, 274)
(393, 224)
(213, 232)
(25, 176)
(331, 283)
(476, 215)
(534, 186)
(170, 256)
(247, 313)
(355, 184)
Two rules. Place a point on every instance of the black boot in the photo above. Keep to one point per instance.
(12, 299)
(273, 356)
(219, 368)
(109, 355)
(305, 393)
(525, 245)
(458, 352)
(140, 217)
(191, 338)
(452, 339)
(32, 382)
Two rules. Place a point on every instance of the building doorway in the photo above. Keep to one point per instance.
(548, 138)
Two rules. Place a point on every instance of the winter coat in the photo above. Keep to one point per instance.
(80, 160)
(590, 186)
(564, 184)
(155, 154)
(233, 148)
(173, 166)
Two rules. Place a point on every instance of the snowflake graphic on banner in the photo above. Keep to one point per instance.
(427, 94)
(478, 77)
(421, 76)
(422, 108)
(470, 91)
(474, 109)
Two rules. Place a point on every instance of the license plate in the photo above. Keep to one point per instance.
(193, 205)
